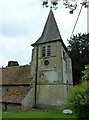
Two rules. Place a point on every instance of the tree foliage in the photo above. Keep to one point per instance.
(79, 52)
(86, 73)
(12, 63)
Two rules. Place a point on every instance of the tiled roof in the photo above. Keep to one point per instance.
(14, 95)
(15, 75)
(50, 32)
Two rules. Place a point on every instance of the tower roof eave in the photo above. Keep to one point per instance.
(60, 40)
(46, 41)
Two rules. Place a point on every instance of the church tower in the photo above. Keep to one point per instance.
(51, 67)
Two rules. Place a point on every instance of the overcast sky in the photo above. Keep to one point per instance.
(22, 22)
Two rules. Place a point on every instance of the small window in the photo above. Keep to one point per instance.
(46, 62)
(49, 50)
(43, 51)
(64, 56)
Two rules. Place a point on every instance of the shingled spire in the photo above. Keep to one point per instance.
(51, 32)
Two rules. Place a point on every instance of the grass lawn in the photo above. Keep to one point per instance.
(38, 114)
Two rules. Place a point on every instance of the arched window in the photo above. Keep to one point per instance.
(43, 51)
(48, 50)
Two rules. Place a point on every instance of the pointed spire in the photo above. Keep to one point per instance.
(50, 32)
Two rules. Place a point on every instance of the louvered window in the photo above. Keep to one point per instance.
(43, 51)
(48, 50)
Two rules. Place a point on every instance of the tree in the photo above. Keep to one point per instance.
(79, 52)
(12, 63)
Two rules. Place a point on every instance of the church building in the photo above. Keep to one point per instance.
(46, 81)
(51, 67)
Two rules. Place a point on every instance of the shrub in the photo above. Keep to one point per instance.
(86, 73)
(79, 98)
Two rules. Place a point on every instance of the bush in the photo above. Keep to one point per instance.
(86, 73)
(79, 98)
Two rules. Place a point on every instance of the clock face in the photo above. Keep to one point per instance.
(46, 62)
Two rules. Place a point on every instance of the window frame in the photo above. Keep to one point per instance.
(43, 52)
(49, 50)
